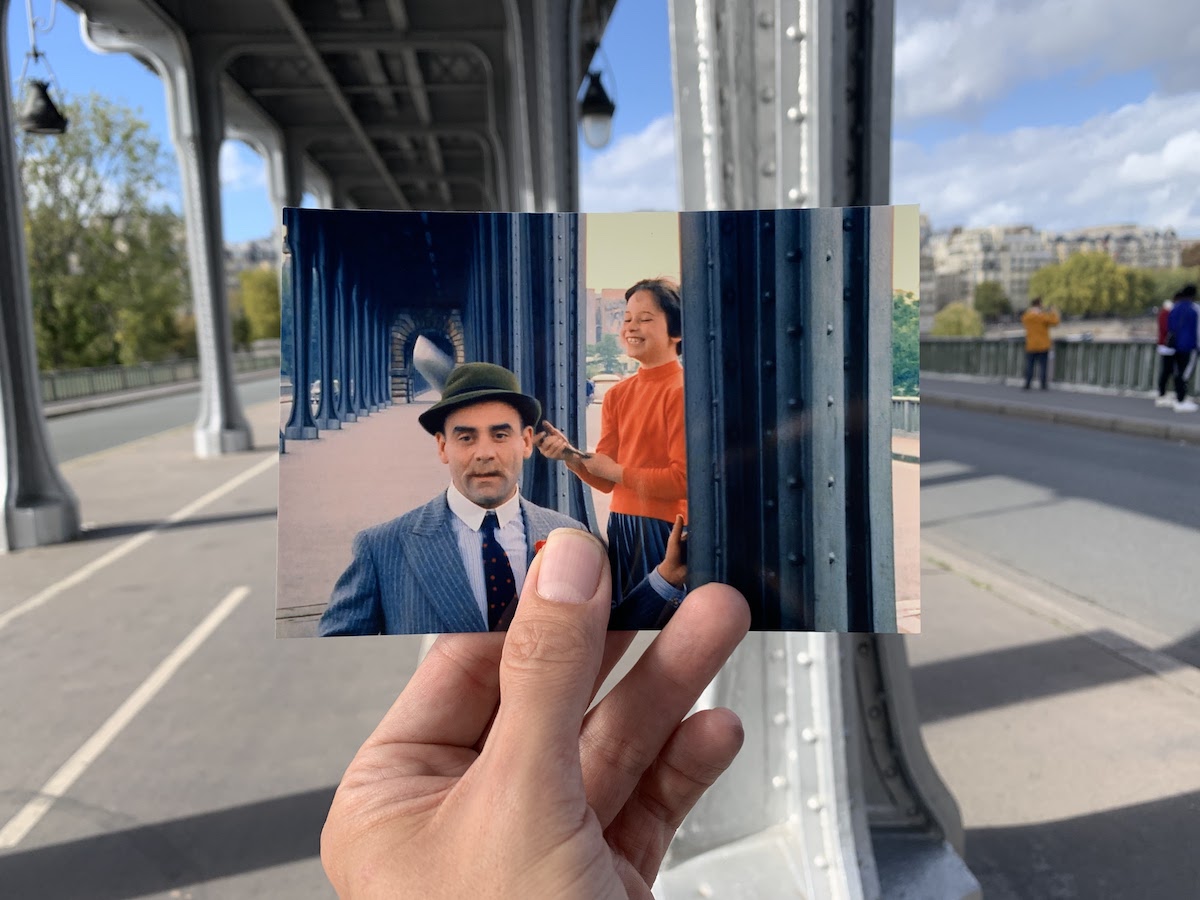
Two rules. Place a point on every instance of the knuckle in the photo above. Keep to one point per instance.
(537, 644)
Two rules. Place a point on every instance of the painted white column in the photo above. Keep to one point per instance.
(38, 505)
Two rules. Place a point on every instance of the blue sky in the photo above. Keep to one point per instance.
(1057, 113)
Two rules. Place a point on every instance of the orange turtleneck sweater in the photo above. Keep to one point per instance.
(641, 427)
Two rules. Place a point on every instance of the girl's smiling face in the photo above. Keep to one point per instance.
(645, 331)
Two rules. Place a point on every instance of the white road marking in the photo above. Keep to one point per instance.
(60, 782)
(122, 550)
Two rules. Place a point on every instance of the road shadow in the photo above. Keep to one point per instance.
(154, 859)
(1155, 486)
(1146, 850)
(1030, 672)
(124, 529)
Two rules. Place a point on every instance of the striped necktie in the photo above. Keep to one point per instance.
(499, 585)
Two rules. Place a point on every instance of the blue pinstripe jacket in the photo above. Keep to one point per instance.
(407, 576)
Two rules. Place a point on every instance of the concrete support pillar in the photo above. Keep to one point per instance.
(385, 359)
(38, 506)
(358, 396)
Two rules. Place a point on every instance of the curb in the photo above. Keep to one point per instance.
(1189, 434)
(1124, 638)
(123, 398)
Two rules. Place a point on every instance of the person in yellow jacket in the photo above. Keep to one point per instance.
(1037, 322)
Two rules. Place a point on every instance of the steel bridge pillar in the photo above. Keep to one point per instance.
(786, 103)
(38, 505)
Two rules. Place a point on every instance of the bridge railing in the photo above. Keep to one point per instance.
(73, 384)
(1105, 365)
(906, 414)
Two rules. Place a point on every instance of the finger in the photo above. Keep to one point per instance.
(450, 698)
(552, 654)
(696, 754)
(624, 734)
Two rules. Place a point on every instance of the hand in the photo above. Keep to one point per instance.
(553, 444)
(461, 794)
(673, 568)
(605, 467)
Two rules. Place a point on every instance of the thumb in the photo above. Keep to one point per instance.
(552, 654)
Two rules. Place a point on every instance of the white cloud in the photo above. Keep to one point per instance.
(1139, 164)
(636, 173)
(951, 58)
(241, 168)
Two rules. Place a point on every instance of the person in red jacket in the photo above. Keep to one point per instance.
(1166, 355)
(641, 458)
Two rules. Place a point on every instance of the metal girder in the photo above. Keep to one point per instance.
(296, 29)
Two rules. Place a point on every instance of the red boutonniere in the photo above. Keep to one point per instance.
(537, 548)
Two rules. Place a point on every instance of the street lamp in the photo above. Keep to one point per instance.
(39, 115)
(596, 113)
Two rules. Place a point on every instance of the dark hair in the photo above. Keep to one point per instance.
(666, 296)
(1036, 301)
(1188, 290)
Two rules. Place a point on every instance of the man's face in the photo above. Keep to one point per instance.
(484, 445)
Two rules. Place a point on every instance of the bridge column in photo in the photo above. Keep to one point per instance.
(342, 318)
(298, 309)
(326, 287)
(38, 506)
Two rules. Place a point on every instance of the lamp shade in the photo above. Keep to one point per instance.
(39, 115)
(596, 112)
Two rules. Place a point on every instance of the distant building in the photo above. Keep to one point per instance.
(605, 313)
(1129, 245)
(260, 253)
(966, 257)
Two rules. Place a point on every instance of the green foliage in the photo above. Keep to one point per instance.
(957, 320)
(260, 301)
(106, 261)
(990, 301)
(605, 356)
(1165, 283)
(1086, 284)
(906, 344)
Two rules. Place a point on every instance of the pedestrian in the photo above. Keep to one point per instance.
(1166, 356)
(1037, 322)
(1183, 334)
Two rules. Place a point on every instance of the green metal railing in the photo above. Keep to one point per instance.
(74, 384)
(1105, 365)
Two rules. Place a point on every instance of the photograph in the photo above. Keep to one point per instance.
(455, 386)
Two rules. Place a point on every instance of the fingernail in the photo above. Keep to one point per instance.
(572, 561)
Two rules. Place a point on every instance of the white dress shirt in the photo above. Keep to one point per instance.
(510, 532)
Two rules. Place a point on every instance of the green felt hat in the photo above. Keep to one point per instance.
(478, 383)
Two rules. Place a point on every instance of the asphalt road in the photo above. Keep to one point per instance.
(82, 433)
(1110, 518)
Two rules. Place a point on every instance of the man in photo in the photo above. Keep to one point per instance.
(458, 563)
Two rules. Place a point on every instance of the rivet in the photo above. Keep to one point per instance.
(794, 559)
(770, 504)
(847, 225)
(779, 718)
(829, 400)
(829, 328)
(705, 890)
(794, 331)
(792, 403)
(794, 33)
(767, 94)
(766, 20)
(828, 257)
(794, 114)
(820, 862)
(767, 295)
(778, 782)
(769, 364)
(832, 558)
(795, 195)
(777, 654)
(768, 169)
(814, 802)
(830, 481)
(808, 736)
(803, 659)
(792, 255)
(793, 481)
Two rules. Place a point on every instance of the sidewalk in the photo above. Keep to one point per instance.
(1067, 739)
(1133, 414)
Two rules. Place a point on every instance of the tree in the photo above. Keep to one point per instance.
(107, 267)
(260, 301)
(957, 320)
(1190, 258)
(906, 344)
(1087, 284)
(608, 353)
(991, 301)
